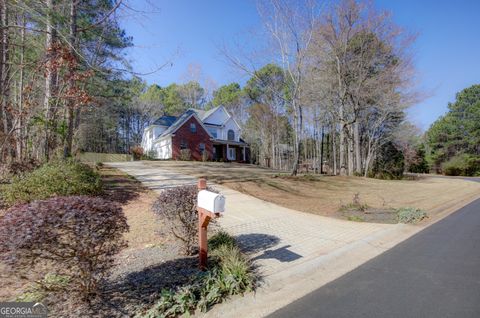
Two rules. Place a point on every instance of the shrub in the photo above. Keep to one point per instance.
(219, 239)
(205, 156)
(59, 178)
(38, 291)
(355, 205)
(178, 208)
(462, 165)
(355, 218)
(76, 237)
(151, 154)
(137, 152)
(410, 215)
(185, 155)
(389, 163)
(15, 168)
(231, 274)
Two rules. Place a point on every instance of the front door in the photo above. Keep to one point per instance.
(232, 154)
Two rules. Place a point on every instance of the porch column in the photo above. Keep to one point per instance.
(227, 154)
(244, 154)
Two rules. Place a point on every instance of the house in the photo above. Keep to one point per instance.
(212, 134)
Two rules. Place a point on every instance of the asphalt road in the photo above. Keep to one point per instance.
(435, 273)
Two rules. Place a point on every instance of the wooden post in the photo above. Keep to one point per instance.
(203, 220)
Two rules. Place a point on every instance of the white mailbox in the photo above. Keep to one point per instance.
(211, 201)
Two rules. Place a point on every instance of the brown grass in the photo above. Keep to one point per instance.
(325, 195)
(136, 202)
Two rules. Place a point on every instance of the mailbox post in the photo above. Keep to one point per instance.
(209, 206)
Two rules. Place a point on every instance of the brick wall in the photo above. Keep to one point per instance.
(192, 140)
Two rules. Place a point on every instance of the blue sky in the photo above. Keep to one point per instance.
(447, 50)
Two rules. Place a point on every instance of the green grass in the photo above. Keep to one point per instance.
(355, 218)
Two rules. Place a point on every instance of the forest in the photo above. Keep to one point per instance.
(327, 94)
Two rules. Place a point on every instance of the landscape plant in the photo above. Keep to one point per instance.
(185, 155)
(56, 178)
(177, 207)
(137, 152)
(230, 273)
(462, 165)
(74, 237)
(410, 215)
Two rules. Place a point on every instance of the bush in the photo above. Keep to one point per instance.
(137, 152)
(150, 155)
(219, 239)
(76, 237)
(389, 163)
(410, 215)
(462, 165)
(59, 178)
(355, 205)
(178, 208)
(231, 274)
(205, 156)
(38, 291)
(185, 155)
(16, 168)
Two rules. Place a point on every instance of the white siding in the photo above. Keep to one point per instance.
(213, 130)
(218, 117)
(230, 124)
(163, 148)
(149, 135)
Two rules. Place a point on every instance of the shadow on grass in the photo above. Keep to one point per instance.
(138, 291)
(119, 187)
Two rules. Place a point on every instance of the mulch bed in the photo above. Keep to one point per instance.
(386, 216)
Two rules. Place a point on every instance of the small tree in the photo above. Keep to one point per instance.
(137, 152)
(76, 236)
(178, 208)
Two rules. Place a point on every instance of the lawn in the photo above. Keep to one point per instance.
(326, 195)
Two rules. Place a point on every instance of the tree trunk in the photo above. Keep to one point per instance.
(321, 150)
(20, 138)
(298, 118)
(4, 85)
(358, 155)
(342, 148)
(67, 151)
(350, 154)
(50, 76)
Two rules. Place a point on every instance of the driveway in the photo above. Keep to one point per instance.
(435, 273)
(276, 238)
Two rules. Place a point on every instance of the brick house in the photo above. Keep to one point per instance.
(197, 132)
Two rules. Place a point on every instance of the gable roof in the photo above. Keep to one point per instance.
(165, 121)
(179, 121)
(203, 114)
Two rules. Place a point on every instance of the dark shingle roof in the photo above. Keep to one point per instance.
(179, 122)
(165, 121)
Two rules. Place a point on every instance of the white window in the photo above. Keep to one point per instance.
(183, 144)
(193, 128)
(231, 153)
(230, 134)
(213, 131)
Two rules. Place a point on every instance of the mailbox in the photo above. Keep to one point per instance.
(211, 201)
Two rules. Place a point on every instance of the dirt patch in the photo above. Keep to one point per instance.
(386, 216)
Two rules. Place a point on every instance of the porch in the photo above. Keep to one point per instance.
(230, 151)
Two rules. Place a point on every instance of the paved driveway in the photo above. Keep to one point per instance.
(276, 238)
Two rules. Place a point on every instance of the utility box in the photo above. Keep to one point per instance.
(211, 201)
